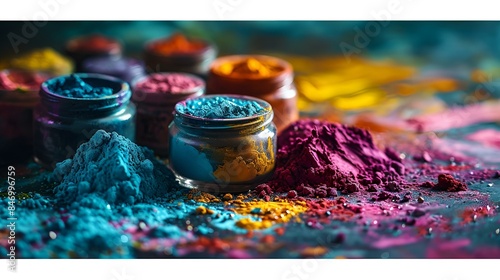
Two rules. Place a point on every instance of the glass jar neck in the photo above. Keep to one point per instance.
(61, 106)
(206, 127)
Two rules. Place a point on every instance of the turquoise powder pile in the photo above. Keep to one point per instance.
(221, 107)
(111, 168)
(73, 86)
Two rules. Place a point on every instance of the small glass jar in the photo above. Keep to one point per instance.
(275, 86)
(18, 98)
(96, 45)
(222, 155)
(155, 108)
(179, 54)
(62, 123)
(127, 69)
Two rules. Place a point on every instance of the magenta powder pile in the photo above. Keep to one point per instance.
(318, 159)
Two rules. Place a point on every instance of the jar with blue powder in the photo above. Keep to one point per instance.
(72, 108)
(222, 143)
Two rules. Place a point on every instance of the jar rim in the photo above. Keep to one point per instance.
(142, 96)
(227, 123)
(60, 105)
(124, 86)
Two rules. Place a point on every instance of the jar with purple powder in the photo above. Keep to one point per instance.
(155, 96)
(127, 69)
(222, 143)
(72, 108)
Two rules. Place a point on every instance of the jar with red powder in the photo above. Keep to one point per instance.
(155, 97)
(178, 53)
(264, 77)
(18, 98)
(85, 47)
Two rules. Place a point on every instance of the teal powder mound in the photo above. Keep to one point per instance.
(221, 107)
(73, 86)
(111, 169)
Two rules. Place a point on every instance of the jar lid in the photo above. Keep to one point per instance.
(224, 112)
(67, 104)
(167, 88)
(254, 75)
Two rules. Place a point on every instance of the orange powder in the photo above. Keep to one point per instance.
(249, 67)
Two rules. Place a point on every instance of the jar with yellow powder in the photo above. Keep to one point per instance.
(222, 143)
(265, 77)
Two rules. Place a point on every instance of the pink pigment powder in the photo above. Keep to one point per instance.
(168, 83)
(317, 159)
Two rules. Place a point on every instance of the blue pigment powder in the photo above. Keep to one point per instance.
(221, 107)
(113, 199)
(113, 167)
(73, 86)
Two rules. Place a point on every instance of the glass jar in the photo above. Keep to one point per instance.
(127, 69)
(155, 107)
(18, 98)
(179, 54)
(95, 45)
(222, 155)
(275, 86)
(62, 123)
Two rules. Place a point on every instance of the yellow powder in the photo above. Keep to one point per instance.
(46, 60)
(269, 213)
(245, 164)
(202, 197)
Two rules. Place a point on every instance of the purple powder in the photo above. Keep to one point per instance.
(316, 159)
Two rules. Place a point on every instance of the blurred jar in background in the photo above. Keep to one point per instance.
(96, 45)
(178, 53)
(18, 98)
(265, 77)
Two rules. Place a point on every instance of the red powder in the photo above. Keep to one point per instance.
(168, 83)
(317, 158)
(93, 44)
(446, 183)
(20, 80)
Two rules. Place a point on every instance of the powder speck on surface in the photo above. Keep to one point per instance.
(168, 83)
(446, 183)
(115, 169)
(221, 107)
(74, 86)
(317, 158)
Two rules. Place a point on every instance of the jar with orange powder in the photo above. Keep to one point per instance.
(178, 53)
(265, 77)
